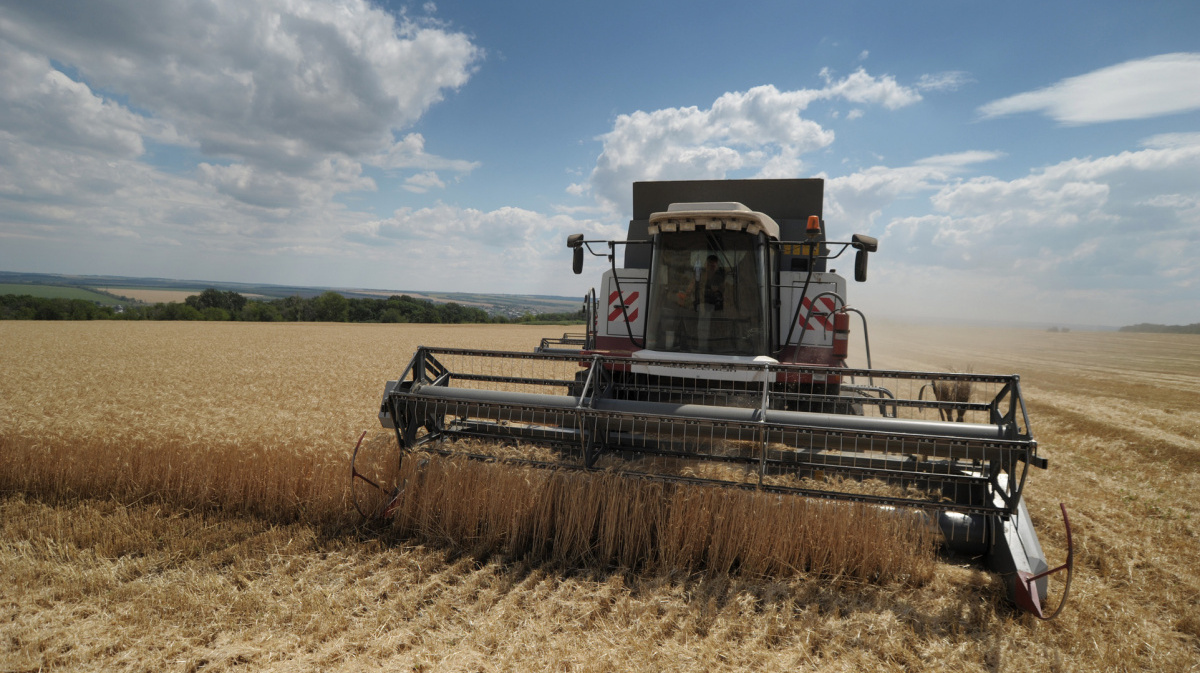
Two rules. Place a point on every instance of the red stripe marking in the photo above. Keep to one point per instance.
(823, 320)
(617, 314)
(616, 310)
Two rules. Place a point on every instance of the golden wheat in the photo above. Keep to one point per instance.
(114, 584)
(247, 426)
(606, 520)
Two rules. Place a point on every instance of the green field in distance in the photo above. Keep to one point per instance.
(59, 292)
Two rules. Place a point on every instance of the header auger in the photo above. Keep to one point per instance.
(717, 355)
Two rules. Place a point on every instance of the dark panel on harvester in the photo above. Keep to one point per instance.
(789, 202)
(638, 256)
(793, 199)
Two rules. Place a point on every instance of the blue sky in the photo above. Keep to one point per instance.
(1018, 161)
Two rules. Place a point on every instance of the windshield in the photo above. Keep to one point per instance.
(706, 294)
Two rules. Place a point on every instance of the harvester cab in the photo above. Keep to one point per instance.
(716, 355)
(717, 278)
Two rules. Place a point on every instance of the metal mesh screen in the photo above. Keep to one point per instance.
(932, 440)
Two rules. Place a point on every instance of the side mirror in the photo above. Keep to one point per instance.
(867, 243)
(864, 245)
(575, 242)
(860, 266)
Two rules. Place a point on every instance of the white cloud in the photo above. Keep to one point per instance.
(1172, 140)
(270, 189)
(278, 83)
(960, 158)
(409, 152)
(1096, 240)
(860, 87)
(278, 105)
(854, 202)
(1033, 198)
(75, 203)
(1185, 206)
(760, 129)
(1104, 240)
(520, 250)
(423, 182)
(1150, 87)
(951, 80)
(48, 109)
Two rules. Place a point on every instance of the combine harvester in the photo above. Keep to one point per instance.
(721, 344)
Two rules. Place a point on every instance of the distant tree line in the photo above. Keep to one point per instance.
(213, 304)
(25, 307)
(1194, 328)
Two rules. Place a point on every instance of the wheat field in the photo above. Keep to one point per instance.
(175, 497)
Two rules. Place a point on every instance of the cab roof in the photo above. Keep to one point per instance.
(712, 215)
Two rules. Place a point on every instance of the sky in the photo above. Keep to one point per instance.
(1029, 162)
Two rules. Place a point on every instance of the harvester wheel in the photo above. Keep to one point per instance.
(1026, 583)
(359, 482)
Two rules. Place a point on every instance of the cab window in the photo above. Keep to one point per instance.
(706, 294)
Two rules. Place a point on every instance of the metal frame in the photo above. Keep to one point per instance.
(603, 410)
